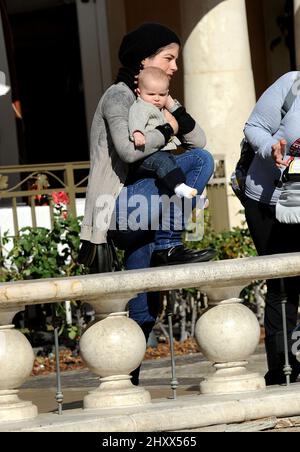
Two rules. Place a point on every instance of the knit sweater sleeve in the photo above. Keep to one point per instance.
(115, 109)
(138, 118)
(266, 117)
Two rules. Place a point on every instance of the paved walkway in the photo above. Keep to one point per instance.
(155, 377)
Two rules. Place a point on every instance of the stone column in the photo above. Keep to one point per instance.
(16, 363)
(228, 334)
(95, 52)
(9, 150)
(112, 347)
(218, 79)
(297, 31)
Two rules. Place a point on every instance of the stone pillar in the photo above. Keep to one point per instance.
(9, 150)
(218, 79)
(228, 334)
(16, 363)
(112, 347)
(297, 31)
(95, 53)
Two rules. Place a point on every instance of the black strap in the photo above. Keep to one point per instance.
(116, 264)
(291, 97)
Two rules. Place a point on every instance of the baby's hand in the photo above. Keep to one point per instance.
(139, 139)
(172, 121)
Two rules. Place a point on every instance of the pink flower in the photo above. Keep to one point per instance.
(60, 198)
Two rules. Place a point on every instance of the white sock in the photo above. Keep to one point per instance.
(184, 191)
(204, 203)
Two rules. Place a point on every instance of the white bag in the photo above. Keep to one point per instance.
(288, 205)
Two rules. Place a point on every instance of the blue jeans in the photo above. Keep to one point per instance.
(198, 167)
(160, 165)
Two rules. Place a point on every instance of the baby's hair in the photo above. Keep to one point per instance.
(151, 73)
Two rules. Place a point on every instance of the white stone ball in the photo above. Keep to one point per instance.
(228, 333)
(16, 359)
(113, 346)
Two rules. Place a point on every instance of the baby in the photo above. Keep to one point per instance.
(145, 115)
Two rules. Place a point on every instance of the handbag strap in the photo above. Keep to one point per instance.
(116, 264)
(291, 96)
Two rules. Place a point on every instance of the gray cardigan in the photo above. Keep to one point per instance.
(111, 151)
(144, 116)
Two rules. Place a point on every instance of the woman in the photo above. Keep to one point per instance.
(274, 136)
(112, 177)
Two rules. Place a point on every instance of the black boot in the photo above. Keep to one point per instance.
(277, 376)
(180, 255)
(276, 361)
(135, 374)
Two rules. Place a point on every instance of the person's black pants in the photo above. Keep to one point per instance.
(272, 237)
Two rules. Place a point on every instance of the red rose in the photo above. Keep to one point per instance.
(60, 197)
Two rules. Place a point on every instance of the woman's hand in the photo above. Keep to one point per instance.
(278, 152)
(139, 139)
(172, 121)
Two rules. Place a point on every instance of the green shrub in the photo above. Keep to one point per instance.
(233, 244)
(42, 253)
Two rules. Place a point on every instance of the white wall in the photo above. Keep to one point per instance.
(25, 219)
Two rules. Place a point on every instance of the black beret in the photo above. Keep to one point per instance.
(145, 41)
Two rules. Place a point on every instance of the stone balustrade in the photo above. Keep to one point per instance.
(114, 345)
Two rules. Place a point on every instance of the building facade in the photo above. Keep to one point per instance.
(66, 56)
